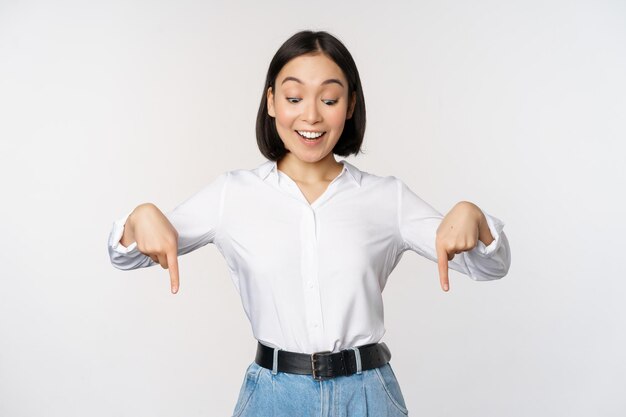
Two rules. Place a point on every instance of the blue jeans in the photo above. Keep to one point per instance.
(373, 392)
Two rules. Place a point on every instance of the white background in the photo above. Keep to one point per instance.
(517, 106)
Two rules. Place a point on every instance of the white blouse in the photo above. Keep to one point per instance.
(311, 276)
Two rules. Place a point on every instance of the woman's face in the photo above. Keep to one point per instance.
(311, 96)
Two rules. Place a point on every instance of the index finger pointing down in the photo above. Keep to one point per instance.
(172, 260)
(442, 261)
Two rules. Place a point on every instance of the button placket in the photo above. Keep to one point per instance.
(309, 271)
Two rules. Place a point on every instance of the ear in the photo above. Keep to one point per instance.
(270, 102)
(351, 106)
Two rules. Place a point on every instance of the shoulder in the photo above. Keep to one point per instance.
(389, 182)
(367, 178)
(246, 175)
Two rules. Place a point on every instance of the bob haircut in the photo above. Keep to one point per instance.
(308, 42)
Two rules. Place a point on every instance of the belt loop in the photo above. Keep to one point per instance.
(357, 355)
(275, 362)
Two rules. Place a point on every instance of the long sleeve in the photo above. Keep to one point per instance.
(418, 223)
(196, 220)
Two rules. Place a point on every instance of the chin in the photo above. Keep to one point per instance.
(315, 158)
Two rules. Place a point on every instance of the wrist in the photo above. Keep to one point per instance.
(128, 237)
(484, 233)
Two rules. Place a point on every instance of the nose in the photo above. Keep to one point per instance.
(311, 113)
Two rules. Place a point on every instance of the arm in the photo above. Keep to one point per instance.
(418, 223)
(196, 221)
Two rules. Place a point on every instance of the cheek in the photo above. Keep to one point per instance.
(336, 115)
(336, 119)
(285, 115)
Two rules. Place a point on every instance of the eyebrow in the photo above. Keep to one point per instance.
(329, 81)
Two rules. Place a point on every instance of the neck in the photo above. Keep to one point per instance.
(323, 170)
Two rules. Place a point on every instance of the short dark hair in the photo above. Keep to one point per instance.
(301, 43)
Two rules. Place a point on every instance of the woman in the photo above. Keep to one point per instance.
(310, 241)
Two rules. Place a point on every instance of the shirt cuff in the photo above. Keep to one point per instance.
(116, 235)
(495, 227)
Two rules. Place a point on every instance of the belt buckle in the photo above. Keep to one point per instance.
(313, 361)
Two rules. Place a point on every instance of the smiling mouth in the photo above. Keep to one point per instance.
(311, 139)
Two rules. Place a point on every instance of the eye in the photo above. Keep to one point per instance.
(329, 102)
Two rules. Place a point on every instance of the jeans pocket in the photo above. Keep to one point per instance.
(248, 385)
(388, 379)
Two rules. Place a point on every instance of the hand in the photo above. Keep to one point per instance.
(156, 238)
(458, 232)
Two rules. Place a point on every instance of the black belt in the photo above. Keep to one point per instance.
(324, 365)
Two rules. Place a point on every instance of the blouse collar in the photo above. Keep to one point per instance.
(271, 167)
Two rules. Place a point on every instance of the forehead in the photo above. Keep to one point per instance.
(312, 70)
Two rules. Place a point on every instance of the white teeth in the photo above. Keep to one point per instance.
(309, 135)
